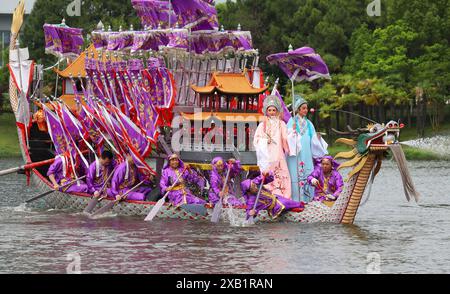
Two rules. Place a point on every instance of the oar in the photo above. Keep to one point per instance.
(49, 192)
(218, 207)
(321, 189)
(111, 204)
(94, 200)
(161, 201)
(26, 166)
(251, 219)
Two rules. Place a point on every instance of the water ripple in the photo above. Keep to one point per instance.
(409, 238)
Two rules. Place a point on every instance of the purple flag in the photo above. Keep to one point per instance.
(55, 130)
(285, 115)
(76, 125)
(73, 127)
(63, 142)
(63, 41)
(301, 64)
(103, 132)
(146, 112)
(140, 163)
(133, 135)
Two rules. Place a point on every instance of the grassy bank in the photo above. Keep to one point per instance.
(9, 142)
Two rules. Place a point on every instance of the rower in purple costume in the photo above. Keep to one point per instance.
(179, 194)
(326, 179)
(99, 172)
(125, 178)
(60, 173)
(274, 204)
(217, 179)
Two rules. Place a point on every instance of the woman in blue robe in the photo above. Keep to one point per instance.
(304, 145)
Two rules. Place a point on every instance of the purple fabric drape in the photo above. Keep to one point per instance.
(201, 42)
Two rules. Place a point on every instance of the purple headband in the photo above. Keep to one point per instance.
(334, 163)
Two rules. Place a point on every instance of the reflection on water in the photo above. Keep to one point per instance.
(408, 237)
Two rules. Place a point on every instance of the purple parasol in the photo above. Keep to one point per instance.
(305, 60)
(63, 41)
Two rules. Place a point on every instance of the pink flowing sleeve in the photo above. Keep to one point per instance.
(284, 136)
(259, 133)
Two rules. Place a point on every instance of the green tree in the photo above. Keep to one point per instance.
(4, 81)
(432, 74)
(384, 53)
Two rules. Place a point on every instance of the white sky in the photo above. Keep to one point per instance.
(7, 6)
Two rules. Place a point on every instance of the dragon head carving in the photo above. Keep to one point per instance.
(375, 138)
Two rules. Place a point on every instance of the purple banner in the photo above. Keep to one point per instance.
(63, 41)
(202, 42)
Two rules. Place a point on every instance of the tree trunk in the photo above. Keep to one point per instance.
(350, 117)
(421, 112)
(409, 114)
(393, 114)
(362, 111)
(327, 123)
(380, 110)
(338, 121)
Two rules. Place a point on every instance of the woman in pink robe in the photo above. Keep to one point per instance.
(270, 143)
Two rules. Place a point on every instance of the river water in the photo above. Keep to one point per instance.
(390, 235)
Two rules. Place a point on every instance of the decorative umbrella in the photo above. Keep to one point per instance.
(300, 64)
(63, 41)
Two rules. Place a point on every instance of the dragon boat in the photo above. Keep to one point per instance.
(223, 88)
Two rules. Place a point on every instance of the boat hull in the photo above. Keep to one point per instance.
(313, 212)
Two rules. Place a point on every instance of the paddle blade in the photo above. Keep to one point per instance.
(39, 196)
(105, 208)
(216, 212)
(199, 209)
(155, 209)
(91, 205)
(251, 220)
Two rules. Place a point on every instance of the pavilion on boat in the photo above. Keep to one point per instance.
(77, 69)
(229, 104)
(228, 92)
